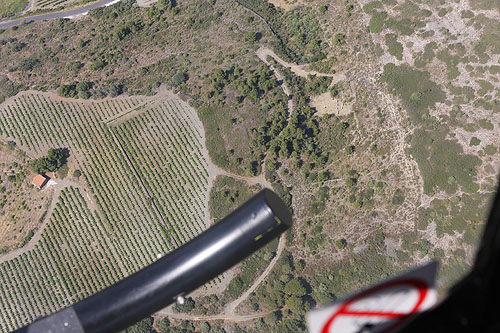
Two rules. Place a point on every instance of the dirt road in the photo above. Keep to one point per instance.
(233, 305)
(236, 318)
(58, 185)
(299, 70)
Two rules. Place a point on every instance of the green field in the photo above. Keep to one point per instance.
(11, 7)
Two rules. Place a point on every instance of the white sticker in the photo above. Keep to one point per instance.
(381, 308)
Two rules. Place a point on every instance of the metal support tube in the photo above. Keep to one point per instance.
(223, 245)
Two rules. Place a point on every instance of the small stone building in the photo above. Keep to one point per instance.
(39, 181)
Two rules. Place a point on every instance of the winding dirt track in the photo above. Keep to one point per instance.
(299, 70)
(235, 318)
(233, 305)
(229, 312)
(59, 185)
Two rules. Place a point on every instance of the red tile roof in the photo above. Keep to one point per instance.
(39, 181)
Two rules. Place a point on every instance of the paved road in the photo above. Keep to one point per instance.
(64, 14)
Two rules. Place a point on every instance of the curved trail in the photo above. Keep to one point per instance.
(233, 305)
(299, 70)
(59, 185)
(229, 312)
(260, 180)
(262, 54)
(236, 318)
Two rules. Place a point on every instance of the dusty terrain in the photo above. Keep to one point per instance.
(404, 158)
(23, 206)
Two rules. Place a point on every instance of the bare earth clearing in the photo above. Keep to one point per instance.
(287, 4)
(146, 3)
(324, 103)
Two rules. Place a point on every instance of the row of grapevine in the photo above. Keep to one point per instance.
(165, 150)
(70, 262)
(130, 233)
(50, 3)
(79, 128)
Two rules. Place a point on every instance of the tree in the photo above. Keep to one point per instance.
(98, 64)
(251, 36)
(55, 158)
(67, 90)
(348, 9)
(334, 91)
(178, 78)
(187, 326)
(474, 141)
(115, 90)
(252, 168)
(271, 318)
(163, 326)
(28, 64)
(205, 327)
(74, 66)
(144, 326)
(295, 287)
(295, 304)
(52, 162)
(83, 89)
(235, 287)
(323, 176)
(187, 306)
(398, 197)
(166, 4)
(350, 182)
(77, 173)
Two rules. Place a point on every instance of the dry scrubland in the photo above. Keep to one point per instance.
(441, 60)
(403, 177)
(22, 208)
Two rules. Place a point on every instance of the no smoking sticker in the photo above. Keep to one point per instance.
(382, 308)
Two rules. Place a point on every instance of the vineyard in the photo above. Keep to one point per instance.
(72, 261)
(144, 164)
(173, 169)
(49, 4)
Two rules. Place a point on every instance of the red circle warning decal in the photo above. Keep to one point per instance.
(381, 308)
